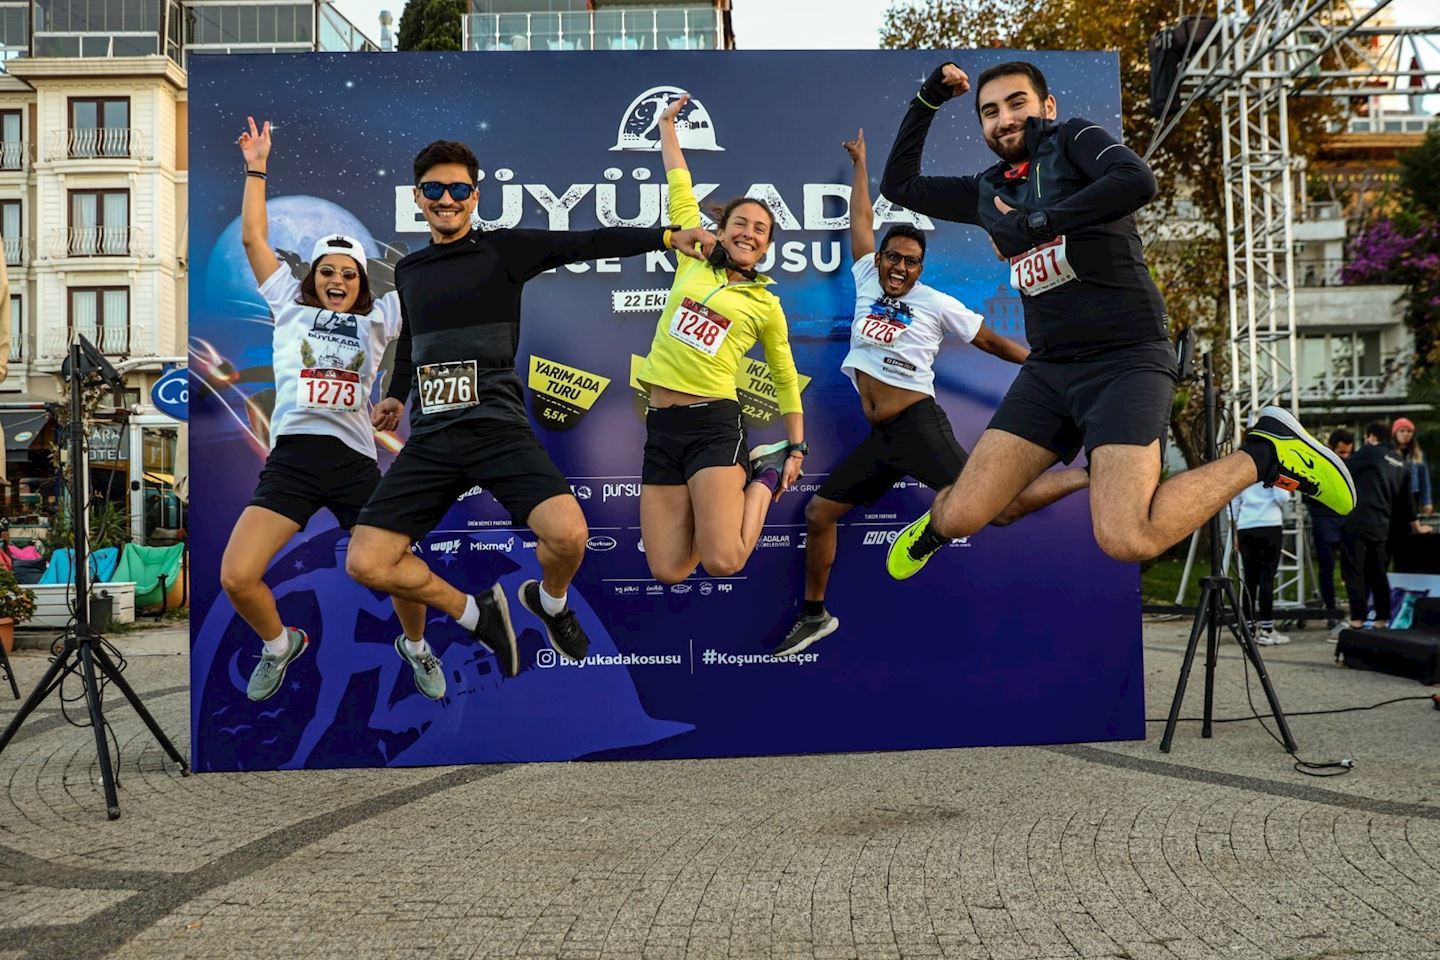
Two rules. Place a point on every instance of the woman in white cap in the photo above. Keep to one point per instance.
(330, 333)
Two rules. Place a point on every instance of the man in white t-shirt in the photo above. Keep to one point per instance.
(898, 328)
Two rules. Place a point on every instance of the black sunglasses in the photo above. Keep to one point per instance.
(434, 190)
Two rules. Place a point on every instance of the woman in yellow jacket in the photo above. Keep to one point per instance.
(703, 499)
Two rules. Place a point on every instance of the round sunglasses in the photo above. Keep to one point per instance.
(346, 273)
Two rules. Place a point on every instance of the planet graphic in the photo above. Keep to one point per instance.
(296, 223)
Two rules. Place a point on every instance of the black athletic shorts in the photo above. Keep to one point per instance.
(433, 469)
(681, 441)
(305, 472)
(916, 442)
(1121, 396)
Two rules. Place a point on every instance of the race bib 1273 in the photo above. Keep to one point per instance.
(327, 388)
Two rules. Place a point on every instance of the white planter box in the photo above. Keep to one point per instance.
(53, 600)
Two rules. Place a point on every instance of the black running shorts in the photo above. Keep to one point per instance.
(306, 472)
(916, 442)
(433, 469)
(1122, 396)
(681, 441)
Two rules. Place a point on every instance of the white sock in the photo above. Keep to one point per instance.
(280, 645)
(416, 647)
(553, 606)
(471, 617)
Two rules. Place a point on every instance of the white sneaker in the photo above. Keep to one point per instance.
(1269, 638)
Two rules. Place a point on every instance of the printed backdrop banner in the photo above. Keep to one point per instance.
(1023, 634)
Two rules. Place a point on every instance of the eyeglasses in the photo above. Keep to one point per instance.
(892, 258)
(434, 190)
(346, 273)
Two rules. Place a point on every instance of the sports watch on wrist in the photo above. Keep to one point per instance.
(1037, 224)
(801, 448)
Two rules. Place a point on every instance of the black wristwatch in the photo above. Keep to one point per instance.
(802, 448)
(1037, 224)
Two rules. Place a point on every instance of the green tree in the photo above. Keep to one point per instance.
(431, 25)
(1187, 254)
(1420, 177)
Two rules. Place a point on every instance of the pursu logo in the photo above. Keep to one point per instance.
(640, 127)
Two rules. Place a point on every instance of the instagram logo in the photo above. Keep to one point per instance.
(545, 658)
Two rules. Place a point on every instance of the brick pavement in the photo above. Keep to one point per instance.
(1108, 850)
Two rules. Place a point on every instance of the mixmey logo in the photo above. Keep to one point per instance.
(640, 127)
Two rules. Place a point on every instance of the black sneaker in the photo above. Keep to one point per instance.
(805, 632)
(494, 632)
(768, 456)
(566, 635)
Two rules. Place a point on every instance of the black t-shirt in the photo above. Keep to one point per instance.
(461, 307)
(1090, 185)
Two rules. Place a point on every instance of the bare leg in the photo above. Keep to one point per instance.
(1136, 517)
(999, 470)
(561, 532)
(412, 617)
(821, 515)
(381, 560)
(729, 515)
(259, 534)
(667, 528)
(1050, 486)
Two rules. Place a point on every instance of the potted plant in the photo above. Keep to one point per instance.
(16, 606)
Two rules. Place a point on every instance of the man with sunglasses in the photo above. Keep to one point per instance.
(1060, 207)
(460, 300)
(897, 330)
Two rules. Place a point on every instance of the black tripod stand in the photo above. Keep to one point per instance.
(1218, 605)
(83, 653)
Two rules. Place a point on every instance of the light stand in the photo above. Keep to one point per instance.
(83, 652)
(1218, 605)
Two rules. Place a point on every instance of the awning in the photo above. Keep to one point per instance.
(22, 429)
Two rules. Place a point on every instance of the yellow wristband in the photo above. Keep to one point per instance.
(665, 239)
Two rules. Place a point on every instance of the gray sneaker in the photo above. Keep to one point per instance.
(805, 632)
(270, 671)
(429, 671)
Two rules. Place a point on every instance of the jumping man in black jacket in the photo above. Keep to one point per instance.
(1059, 206)
(460, 299)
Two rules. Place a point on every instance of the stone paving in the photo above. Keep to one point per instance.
(1219, 849)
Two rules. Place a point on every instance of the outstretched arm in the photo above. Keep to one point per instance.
(862, 214)
(670, 150)
(1002, 347)
(254, 229)
(949, 198)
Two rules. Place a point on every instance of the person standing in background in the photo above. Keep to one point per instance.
(1325, 529)
(1403, 432)
(1258, 512)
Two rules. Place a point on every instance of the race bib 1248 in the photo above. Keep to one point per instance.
(696, 325)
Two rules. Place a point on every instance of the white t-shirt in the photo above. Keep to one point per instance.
(325, 364)
(895, 340)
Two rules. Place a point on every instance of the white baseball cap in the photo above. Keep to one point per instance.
(341, 244)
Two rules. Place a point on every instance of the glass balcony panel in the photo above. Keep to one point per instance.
(575, 31)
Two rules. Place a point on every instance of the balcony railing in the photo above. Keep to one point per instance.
(1318, 273)
(17, 251)
(14, 155)
(1323, 210)
(17, 346)
(89, 143)
(611, 29)
(1355, 387)
(111, 338)
(98, 242)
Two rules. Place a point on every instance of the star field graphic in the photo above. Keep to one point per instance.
(982, 648)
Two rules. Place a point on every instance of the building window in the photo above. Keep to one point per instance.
(14, 30)
(17, 328)
(12, 143)
(12, 232)
(240, 25)
(99, 223)
(102, 316)
(99, 127)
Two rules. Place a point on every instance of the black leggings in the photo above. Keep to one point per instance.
(1362, 564)
(1260, 551)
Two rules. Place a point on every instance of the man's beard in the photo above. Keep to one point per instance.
(458, 225)
(1010, 155)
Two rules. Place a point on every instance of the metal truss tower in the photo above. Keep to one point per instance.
(1259, 55)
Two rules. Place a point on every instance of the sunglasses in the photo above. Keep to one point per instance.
(328, 271)
(434, 190)
(892, 258)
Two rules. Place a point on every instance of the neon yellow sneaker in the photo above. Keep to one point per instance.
(913, 547)
(1306, 465)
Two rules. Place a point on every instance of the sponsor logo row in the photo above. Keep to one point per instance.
(547, 659)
